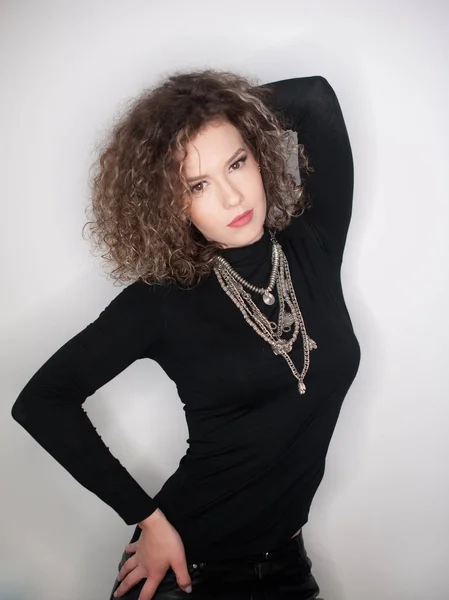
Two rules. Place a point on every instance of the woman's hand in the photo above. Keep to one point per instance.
(158, 548)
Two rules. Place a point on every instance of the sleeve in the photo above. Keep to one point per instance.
(50, 405)
(309, 106)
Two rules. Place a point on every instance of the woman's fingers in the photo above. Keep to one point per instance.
(149, 588)
(129, 581)
(127, 567)
(182, 573)
(149, 558)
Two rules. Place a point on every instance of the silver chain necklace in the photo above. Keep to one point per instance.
(267, 296)
(234, 285)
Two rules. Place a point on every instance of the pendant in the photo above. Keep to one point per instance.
(288, 322)
(312, 344)
(279, 346)
(268, 298)
(301, 387)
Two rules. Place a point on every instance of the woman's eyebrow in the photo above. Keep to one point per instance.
(233, 157)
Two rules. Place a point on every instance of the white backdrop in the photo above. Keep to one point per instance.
(378, 528)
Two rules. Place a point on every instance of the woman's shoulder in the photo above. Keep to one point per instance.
(136, 298)
(141, 289)
(299, 227)
(303, 230)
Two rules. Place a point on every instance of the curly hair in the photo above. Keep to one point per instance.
(139, 189)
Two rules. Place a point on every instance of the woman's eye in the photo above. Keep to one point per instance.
(239, 162)
(195, 187)
(198, 187)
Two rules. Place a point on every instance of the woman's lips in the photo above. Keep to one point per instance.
(244, 219)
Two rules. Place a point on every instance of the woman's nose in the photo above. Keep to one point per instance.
(231, 196)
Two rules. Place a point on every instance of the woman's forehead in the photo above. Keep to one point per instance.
(213, 145)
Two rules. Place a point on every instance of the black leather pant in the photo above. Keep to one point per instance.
(281, 574)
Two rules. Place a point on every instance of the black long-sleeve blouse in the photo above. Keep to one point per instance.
(256, 447)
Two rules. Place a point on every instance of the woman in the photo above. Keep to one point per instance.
(236, 293)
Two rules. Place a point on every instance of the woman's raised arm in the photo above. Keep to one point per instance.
(50, 405)
(310, 107)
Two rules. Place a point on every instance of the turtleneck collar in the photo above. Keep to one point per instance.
(252, 254)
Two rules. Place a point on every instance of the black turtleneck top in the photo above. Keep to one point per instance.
(257, 447)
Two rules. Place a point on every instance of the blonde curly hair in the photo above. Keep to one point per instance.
(139, 189)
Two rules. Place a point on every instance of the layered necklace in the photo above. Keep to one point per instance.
(290, 315)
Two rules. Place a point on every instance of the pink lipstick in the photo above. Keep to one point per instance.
(242, 219)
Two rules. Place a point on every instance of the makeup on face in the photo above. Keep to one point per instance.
(227, 201)
(243, 219)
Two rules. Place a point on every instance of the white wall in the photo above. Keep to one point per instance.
(378, 528)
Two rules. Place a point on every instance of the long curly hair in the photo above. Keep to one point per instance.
(139, 192)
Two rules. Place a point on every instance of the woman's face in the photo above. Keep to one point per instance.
(225, 182)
